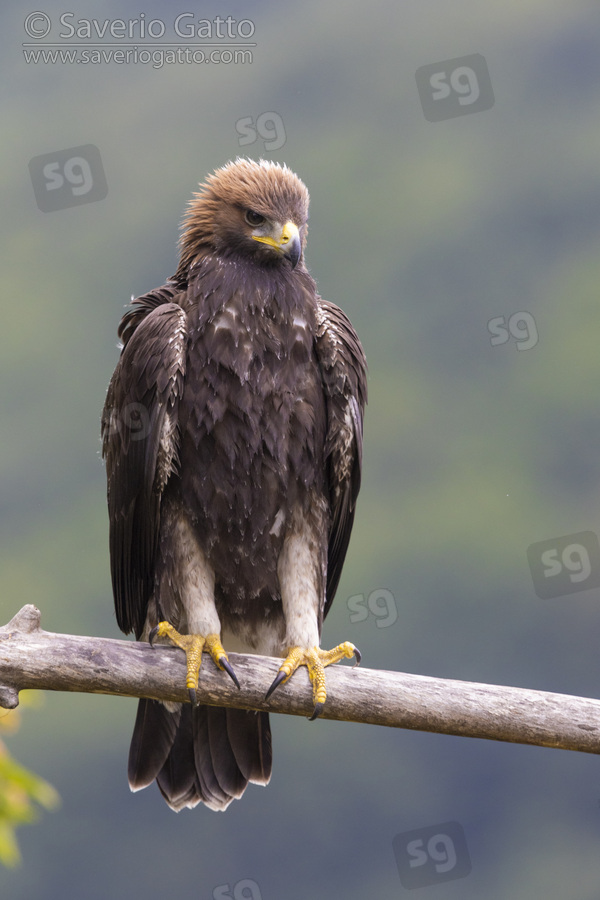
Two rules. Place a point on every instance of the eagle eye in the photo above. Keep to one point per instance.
(254, 219)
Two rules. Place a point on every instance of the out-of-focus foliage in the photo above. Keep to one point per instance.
(21, 791)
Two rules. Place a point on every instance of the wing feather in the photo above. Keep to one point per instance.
(344, 372)
(140, 444)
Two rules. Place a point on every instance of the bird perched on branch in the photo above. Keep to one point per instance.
(232, 433)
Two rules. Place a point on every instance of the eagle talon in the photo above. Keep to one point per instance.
(279, 679)
(193, 645)
(225, 664)
(315, 661)
(317, 711)
(153, 635)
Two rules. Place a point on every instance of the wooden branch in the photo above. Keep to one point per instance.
(33, 658)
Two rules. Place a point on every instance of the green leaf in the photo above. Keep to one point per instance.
(20, 790)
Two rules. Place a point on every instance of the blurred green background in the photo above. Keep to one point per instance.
(423, 232)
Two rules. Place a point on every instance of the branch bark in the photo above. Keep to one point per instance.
(33, 658)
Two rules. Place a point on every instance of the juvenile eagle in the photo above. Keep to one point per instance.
(232, 433)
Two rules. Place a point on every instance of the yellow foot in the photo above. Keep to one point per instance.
(315, 660)
(193, 645)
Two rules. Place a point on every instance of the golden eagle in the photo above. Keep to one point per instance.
(232, 433)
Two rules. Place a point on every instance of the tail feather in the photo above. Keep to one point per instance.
(153, 736)
(249, 735)
(204, 754)
(228, 773)
(208, 788)
(177, 778)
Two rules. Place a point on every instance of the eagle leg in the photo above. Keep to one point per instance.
(315, 660)
(193, 645)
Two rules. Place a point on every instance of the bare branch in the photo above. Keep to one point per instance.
(33, 658)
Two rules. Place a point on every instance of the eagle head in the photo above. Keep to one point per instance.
(254, 210)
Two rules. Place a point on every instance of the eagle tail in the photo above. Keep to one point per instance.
(201, 754)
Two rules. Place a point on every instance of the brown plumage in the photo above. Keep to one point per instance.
(232, 433)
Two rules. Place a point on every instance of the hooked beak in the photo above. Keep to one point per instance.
(285, 240)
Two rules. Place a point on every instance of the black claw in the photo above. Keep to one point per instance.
(152, 635)
(193, 698)
(317, 711)
(225, 664)
(279, 678)
(358, 656)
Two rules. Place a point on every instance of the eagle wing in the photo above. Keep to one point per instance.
(140, 444)
(344, 373)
